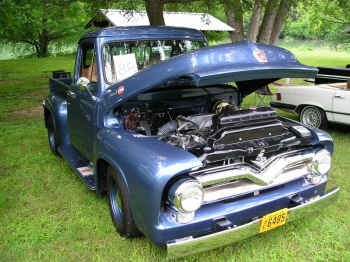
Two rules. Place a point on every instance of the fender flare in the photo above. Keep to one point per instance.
(57, 107)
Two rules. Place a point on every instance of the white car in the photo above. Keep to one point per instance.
(318, 105)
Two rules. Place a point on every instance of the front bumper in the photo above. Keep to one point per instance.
(191, 245)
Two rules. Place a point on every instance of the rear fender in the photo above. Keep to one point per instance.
(57, 106)
(300, 107)
(328, 113)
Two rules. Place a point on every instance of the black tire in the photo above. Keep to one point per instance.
(51, 134)
(314, 117)
(119, 205)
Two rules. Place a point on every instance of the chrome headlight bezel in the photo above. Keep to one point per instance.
(186, 196)
(321, 163)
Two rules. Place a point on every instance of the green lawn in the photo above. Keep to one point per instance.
(47, 214)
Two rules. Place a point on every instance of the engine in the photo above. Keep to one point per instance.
(189, 133)
(212, 133)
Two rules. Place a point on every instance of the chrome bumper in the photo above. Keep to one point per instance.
(192, 245)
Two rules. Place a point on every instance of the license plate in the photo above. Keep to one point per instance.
(273, 220)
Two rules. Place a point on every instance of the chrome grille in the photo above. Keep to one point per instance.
(237, 179)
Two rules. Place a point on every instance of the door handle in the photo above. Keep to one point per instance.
(71, 94)
(341, 97)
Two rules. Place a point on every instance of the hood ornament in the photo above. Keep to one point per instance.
(260, 159)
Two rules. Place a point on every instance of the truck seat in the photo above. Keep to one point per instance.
(90, 72)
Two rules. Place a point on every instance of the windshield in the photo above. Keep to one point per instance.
(123, 59)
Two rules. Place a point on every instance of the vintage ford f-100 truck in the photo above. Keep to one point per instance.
(152, 118)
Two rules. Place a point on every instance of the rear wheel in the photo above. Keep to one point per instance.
(314, 117)
(51, 134)
(119, 205)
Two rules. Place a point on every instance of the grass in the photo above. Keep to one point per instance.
(47, 214)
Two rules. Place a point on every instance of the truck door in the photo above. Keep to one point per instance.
(81, 105)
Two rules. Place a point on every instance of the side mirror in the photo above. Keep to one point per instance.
(83, 83)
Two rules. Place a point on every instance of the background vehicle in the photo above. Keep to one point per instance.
(180, 161)
(317, 106)
(330, 75)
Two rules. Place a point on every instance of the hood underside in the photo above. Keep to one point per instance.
(251, 66)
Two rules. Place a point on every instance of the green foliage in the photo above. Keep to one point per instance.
(46, 27)
(336, 39)
(47, 214)
(299, 25)
(41, 25)
(324, 19)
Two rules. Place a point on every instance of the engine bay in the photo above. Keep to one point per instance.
(207, 122)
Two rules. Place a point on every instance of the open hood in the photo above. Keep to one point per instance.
(249, 65)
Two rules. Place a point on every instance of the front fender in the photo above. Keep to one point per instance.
(323, 138)
(319, 136)
(146, 166)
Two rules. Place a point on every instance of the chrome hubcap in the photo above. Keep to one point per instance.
(312, 117)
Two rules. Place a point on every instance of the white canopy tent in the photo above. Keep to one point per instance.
(199, 21)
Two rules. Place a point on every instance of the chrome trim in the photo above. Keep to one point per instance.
(271, 169)
(316, 162)
(177, 197)
(335, 77)
(191, 245)
(243, 186)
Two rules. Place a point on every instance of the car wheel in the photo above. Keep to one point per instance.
(119, 205)
(51, 134)
(314, 117)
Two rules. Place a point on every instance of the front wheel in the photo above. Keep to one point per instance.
(119, 205)
(314, 117)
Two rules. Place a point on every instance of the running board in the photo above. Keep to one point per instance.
(80, 164)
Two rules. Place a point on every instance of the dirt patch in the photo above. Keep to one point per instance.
(33, 111)
(4, 170)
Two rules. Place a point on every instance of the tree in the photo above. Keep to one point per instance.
(281, 16)
(268, 21)
(37, 24)
(255, 21)
(234, 16)
(324, 20)
(236, 12)
(155, 9)
(276, 12)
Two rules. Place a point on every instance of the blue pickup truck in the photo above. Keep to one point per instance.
(152, 118)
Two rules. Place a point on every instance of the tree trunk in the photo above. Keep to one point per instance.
(268, 21)
(280, 19)
(42, 46)
(154, 10)
(234, 17)
(255, 21)
(42, 50)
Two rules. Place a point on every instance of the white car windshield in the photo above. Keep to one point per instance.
(123, 59)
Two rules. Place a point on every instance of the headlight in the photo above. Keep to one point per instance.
(187, 196)
(321, 162)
